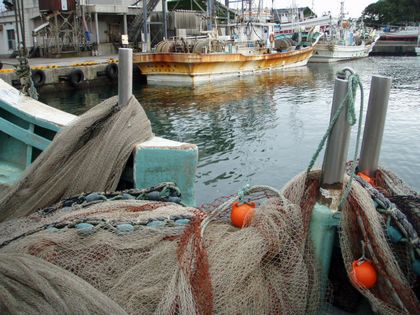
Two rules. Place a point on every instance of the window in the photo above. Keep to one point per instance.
(11, 39)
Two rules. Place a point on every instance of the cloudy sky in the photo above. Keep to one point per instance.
(353, 7)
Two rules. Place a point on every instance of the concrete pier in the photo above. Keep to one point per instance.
(96, 71)
(394, 45)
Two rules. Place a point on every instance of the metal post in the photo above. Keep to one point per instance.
(165, 18)
(145, 24)
(97, 28)
(335, 157)
(125, 23)
(125, 75)
(227, 17)
(374, 126)
(209, 15)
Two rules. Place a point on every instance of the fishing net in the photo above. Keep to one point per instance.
(87, 155)
(159, 257)
(367, 228)
(27, 279)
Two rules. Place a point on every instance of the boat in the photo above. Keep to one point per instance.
(417, 48)
(250, 48)
(344, 41)
(259, 251)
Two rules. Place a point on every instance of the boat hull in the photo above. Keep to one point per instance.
(326, 53)
(194, 68)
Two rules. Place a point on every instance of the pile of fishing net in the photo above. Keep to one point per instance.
(387, 235)
(88, 155)
(145, 256)
(159, 257)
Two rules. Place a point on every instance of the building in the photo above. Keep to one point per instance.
(60, 27)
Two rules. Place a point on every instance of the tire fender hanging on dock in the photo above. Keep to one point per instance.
(111, 71)
(76, 77)
(38, 77)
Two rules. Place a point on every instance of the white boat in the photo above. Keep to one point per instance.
(344, 41)
(329, 52)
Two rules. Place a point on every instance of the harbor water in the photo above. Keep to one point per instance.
(264, 128)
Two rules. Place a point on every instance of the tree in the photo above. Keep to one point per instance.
(394, 12)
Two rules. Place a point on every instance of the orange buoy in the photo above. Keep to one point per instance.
(364, 273)
(242, 213)
(366, 178)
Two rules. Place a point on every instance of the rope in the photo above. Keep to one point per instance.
(23, 72)
(348, 104)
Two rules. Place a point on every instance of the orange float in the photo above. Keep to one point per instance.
(242, 213)
(366, 178)
(364, 273)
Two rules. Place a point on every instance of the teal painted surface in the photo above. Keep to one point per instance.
(9, 172)
(18, 140)
(155, 165)
(20, 137)
(24, 135)
(29, 118)
(323, 228)
(12, 150)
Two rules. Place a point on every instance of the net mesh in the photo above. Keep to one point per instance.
(206, 266)
(87, 155)
(153, 257)
(361, 221)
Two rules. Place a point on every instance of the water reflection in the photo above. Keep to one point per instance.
(263, 129)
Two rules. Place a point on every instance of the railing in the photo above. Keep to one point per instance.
(137, 25)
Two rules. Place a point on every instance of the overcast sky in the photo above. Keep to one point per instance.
(353, 7)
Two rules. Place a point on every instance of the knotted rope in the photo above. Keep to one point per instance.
(346, 104)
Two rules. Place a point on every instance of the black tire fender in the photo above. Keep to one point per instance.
(76, 77)
(111, 71)
(38, 77)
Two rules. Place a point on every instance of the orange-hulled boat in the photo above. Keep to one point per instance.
(197, 60)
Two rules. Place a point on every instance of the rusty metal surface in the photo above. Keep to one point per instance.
(54, 5)
(197, 64)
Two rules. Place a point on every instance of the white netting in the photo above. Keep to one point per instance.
(361, 221)
(171, 268)
(87, 155)
(156, 257)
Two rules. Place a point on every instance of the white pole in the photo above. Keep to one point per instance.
(125, 75)
(97, 28)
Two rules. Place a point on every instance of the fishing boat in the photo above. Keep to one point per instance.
(141, 251)
(344, 41)
(250, 48)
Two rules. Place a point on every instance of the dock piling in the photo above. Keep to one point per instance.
(335, 158)
(125, 75)
(374, 125)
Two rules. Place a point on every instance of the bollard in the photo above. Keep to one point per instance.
(333, 167)
(125, 75)
(374, 125)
